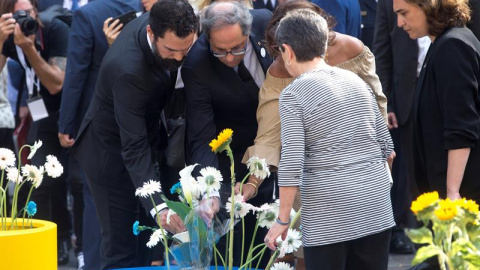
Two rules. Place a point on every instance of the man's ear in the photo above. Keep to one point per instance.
(289, 54)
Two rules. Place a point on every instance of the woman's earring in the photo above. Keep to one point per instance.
(288, 63)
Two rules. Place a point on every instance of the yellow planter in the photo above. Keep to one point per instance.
(29, 249)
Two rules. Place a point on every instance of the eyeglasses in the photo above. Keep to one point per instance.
(232, 52)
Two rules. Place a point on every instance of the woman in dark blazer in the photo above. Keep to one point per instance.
(447, 104)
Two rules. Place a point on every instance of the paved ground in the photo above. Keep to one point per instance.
(396, 262)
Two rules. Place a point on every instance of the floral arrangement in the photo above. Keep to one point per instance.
(19, 176)
(451, 231)
(195, 247)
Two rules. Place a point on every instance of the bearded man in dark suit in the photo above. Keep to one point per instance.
(222, 74)
(118, 139)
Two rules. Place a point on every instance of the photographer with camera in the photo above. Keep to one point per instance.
(41, 50)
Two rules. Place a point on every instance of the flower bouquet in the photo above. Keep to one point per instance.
(195, 248)
(450, 231)
(19, 176)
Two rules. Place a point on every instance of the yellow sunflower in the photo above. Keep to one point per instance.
(469, 205)
(222, 141)
(423, 201)
(447, 210)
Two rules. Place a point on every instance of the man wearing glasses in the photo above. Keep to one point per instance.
(222, 75)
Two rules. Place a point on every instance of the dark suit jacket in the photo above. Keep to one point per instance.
(259, 4)
(87, 47)
(474, 23)
(396, 60)
(117, 140)
(368, 10)
(43, 4)
(346, 13)
(447, 110)
(217, 99)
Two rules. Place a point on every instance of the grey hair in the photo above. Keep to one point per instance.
(306, 32)
(221, 14)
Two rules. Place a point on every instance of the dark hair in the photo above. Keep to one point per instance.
(214, 17)
(443, 14)
(172, 15)
(282, 10)
(306, 32)
(7, 6)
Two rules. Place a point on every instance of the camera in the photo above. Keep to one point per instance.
(28, 25)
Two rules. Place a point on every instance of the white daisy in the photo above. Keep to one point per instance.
(34, 148)
(34, 174)
(281, 266)
(7, 158)
(210, 179)
(155, 237)
(258, 167)
(53, 167)
(241, 208)
(267, 218)
(14, 175)
(149, 188)
(292, 241)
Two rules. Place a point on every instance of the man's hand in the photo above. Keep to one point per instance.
(207, 208)
(176, 224)
(392, 121)
(112, 31)
(21, 40)
(7, 26)
(65, 140)
(23, 112)
(272, 235)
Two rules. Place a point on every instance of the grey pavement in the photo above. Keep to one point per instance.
(395, 262)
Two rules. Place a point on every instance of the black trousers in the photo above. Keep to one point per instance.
(117, 210)
(369, 252)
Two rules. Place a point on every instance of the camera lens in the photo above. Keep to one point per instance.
(28, 25)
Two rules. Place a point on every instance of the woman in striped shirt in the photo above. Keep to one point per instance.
(334, 147)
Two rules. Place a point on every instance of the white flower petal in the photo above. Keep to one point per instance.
(155, 237)
(241, 208)
(53, 167)
(7, 158)
(210, 179)
(149, 188)
(34, 148)
(258, 167)
(292, 241)
(34, 174)
(281, 266)
(13, 175)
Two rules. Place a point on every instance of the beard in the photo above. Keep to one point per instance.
(166, 63)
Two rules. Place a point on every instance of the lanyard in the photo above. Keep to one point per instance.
(29, 73)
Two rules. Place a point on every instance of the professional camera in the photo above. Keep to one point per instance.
(28, 25)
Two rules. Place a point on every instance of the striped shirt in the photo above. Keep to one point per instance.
(334, 146)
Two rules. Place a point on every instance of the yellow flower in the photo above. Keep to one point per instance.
(223, 139)
(447, 210)
(469, 205)
(423, 201)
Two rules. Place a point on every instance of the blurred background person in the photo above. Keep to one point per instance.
(340, 167)
(346, 14)
(447, 104)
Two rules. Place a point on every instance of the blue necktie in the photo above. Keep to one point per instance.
(74, 5)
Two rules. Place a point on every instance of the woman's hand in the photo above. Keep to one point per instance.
(272, 235)
(112, 31)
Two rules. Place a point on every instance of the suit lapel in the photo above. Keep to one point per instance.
(260, 51)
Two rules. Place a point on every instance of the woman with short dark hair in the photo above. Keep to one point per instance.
(335, 145)
(447, 105)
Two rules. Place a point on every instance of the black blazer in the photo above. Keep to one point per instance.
(393, 45)
(259, 4)
(447, 110)
(217, 99)
(119, 135)
(474, 23)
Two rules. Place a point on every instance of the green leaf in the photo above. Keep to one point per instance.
(180, 208)
(473, 259)
(420, 236)
(426, 252)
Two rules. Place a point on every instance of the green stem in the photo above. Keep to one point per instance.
(272, 259)
(232, 212)
(254, 258)
(165, 243)
(26, 203)
(220, 255)
(252, 242)
(243, 240)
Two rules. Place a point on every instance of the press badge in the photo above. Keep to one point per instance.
(37, 108)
